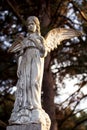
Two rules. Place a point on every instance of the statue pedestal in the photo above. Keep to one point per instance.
(26, 127)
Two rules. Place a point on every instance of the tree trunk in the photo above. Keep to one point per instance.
(48, 93)
(44, 12)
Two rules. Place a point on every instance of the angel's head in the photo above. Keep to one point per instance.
(33, 24)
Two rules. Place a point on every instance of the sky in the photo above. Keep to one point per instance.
(71, 86)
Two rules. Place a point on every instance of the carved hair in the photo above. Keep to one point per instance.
(36, 21)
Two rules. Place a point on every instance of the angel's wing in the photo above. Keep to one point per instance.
(16, 46)
(55, 36)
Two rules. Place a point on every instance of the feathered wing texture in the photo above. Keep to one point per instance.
(57, 35)
(16, 46)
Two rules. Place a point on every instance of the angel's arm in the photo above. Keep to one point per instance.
(19, 64)
(40, 44)
(37, 42)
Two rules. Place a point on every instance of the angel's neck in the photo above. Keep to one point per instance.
(32, 34)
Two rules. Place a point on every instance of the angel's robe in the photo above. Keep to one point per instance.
(30, 74)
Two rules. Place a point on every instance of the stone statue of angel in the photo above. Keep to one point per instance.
(33, 49)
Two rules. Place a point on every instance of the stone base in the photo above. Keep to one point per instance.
(26, 127)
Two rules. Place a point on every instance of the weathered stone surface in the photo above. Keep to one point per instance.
(31, 50)
(26, 127)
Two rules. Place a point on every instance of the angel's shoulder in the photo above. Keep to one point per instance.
(43, 40)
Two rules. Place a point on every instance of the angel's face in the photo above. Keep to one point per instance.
(31, 26)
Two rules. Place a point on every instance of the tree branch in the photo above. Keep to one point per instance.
(80, 11)
(79, 123)
(16, 11)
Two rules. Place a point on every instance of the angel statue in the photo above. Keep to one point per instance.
(33, 49)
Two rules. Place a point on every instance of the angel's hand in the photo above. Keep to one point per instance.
(19, 65)
(26, 43)
(18, 74)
